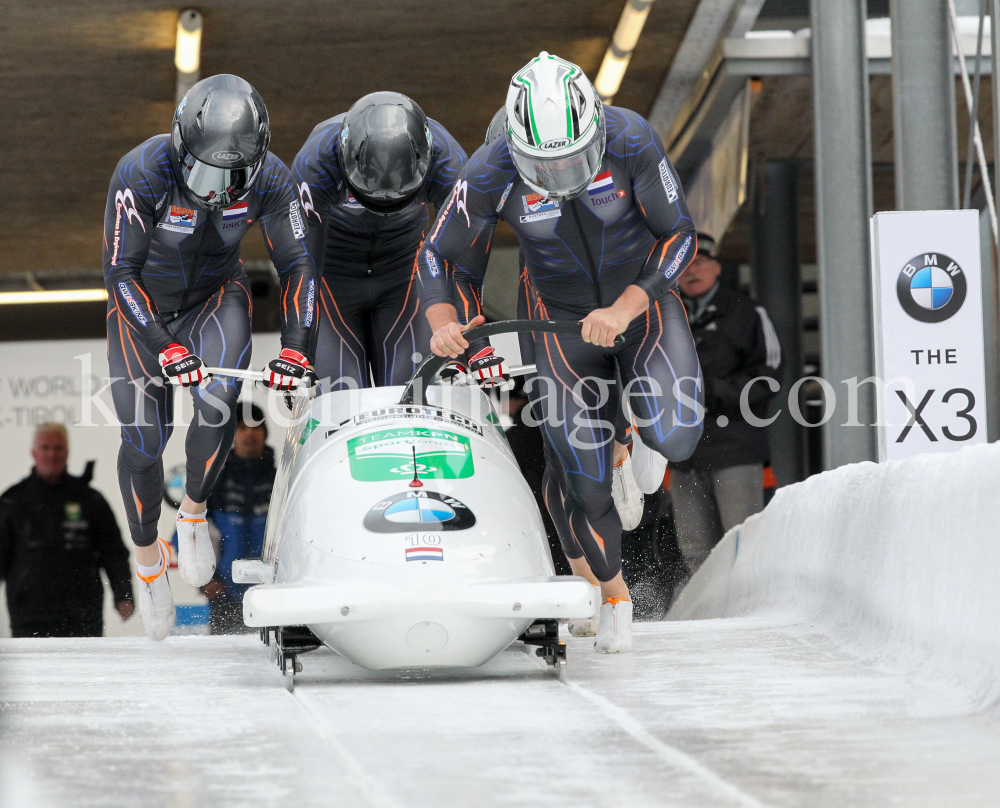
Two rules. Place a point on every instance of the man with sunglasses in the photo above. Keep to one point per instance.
(178, 207)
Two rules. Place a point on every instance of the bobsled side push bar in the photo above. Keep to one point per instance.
(433, 365)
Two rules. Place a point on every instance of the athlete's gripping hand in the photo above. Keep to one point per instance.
(490, 370)
(289, 371)
(448, 339)
(180, 366)
(602, 326)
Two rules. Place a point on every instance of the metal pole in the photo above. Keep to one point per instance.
(970, 152)
(995, 84)
(923, 106)
(778, 283)
(843, 209)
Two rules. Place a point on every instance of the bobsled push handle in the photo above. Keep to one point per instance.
(433, 365)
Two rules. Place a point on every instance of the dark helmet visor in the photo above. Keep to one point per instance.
(213, 186)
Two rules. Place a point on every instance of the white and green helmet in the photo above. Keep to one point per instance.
(555, 127)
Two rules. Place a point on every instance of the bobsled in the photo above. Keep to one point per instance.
(401, 533)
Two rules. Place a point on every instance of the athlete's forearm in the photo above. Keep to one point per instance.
(632, 302)
(668, 259)
(440, 314)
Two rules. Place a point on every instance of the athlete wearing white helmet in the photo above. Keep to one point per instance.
(605, 232)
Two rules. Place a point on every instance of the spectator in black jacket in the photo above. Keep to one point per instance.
(722, 483)
(56, 534)
(238, 508)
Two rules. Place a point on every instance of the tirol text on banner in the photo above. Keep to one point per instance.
(928, 318)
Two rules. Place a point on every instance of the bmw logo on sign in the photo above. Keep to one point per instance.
(931, 287)
(423, 510)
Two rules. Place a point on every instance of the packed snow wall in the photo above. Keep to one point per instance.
(899, 562)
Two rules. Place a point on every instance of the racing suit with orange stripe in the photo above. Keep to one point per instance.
(371, 322)
(173, 273)
(631, 226)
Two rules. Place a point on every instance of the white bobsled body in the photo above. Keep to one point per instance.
(391, 564)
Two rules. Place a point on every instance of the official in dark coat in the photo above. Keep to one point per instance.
(56, 535)
(721, 484)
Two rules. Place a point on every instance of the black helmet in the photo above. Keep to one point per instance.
(219, 138)
(498, 126)
(385, 150)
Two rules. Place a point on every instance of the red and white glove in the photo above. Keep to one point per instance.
(180, 366)
(490, 370)
(288, 371)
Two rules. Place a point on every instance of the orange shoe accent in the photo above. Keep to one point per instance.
(622, 461)
(164, 562)
(182, 519)
(613, 601)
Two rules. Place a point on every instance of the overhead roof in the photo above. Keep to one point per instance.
(85, 82)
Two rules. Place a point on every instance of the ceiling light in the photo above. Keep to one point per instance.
(54, 296)
(187, 55)
(609, 77)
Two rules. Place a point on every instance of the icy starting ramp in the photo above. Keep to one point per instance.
(853, 661)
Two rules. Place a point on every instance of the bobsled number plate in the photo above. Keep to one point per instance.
(405, 452)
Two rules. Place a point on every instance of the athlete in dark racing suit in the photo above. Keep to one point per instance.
(605, 232)
(178, 297)
(365, 196)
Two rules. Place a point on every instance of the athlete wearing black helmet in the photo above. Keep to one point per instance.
(178, 207)
(365, 179)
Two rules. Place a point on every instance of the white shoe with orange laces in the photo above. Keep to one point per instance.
(156, 602)
(195, 553)
(626, 494)
(614, 635)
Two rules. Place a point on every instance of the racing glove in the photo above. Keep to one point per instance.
(490, 370)
(289, 371)
(180, 366)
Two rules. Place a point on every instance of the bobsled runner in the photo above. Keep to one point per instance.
(401, 532)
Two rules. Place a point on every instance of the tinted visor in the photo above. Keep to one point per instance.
(561, 177)
(216, 187)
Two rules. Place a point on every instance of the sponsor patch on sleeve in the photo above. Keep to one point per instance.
(295, 219)
(667, 178)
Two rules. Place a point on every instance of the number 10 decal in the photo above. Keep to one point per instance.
(416, 539)
(916, 419)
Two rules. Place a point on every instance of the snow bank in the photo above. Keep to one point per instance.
(899, 561)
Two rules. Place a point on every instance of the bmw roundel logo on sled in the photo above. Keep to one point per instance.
(400, 513)
(931, 287)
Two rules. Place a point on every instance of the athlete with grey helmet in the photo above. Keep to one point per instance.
(365, 179)
(605, 233)
(178, 299)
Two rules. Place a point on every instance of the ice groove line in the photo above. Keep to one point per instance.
(669, 754)
(368, 785)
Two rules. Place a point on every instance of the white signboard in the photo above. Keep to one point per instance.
(66, 381)
(928, 320)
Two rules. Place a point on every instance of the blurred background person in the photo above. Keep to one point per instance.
(238, 510)
(722, 483)
(56, 535)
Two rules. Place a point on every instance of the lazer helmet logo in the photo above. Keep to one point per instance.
(558, 143)
(228, 156)
(136, 311)
(931, 287)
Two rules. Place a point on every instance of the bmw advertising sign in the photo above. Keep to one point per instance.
(928, 326)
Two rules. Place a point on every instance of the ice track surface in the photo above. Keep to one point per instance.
(740, 712)
(847, 654)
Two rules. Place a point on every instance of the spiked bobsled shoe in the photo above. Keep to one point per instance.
(156, 602)
(648, 466)
(195, 553)
(614, 635)
(626, 494)
(586, 626)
